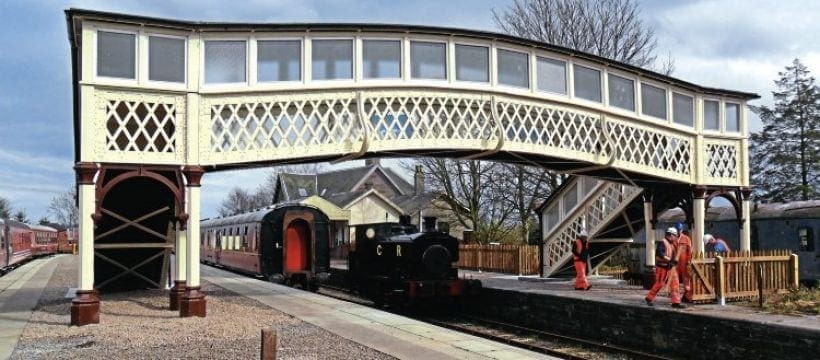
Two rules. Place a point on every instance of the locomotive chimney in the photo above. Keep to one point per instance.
(429, 223)
(418, 183)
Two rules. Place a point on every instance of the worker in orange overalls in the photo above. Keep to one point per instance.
(665, 268)
(684, 257)
(580, 255)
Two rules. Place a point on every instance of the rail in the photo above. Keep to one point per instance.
(742, 275)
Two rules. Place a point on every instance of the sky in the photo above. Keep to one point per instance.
(732, 44)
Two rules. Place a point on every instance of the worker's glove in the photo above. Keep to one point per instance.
(673, 263)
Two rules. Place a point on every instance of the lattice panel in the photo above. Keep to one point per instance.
(429, 118)
(545, 125)
(140, 126)
(598, 209)
(722, 160)
(268, 125)
(659, 150)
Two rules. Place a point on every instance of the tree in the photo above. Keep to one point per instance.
(528, 187)
(609, 28)
(786, 151)
(5, 208)
(44, 221)
(64, 209)
(240, 200)
(21, 216)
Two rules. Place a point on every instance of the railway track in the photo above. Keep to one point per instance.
(547, 343)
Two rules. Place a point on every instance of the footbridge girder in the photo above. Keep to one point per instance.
(204, 96)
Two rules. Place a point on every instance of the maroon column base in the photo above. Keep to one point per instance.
(193, 303)
(176, 294)
(85, 308)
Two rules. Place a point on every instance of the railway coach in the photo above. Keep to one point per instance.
(286, 243)
(16, 241)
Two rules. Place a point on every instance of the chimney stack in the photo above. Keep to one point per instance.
(418, 183)
(372, 162)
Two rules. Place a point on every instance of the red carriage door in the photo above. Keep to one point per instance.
(297, 242)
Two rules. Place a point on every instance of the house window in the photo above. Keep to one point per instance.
(587, 83)
(621, 92)
(683, 109)
(166, 59)
(116, 55)
(225, 61)
(332, 59)
(472, 63)
(732, 117)
(653, 101)
(513, 68)
(382, 59)
(552, 75)
(711, 115)
(428, 60)
(279, 60)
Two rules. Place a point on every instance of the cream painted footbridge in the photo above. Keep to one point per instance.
(158, 103)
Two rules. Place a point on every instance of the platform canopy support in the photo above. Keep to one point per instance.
(193, 302)
(180, 263)
(85, 307)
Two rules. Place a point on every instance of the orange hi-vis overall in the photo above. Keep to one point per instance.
(684, 252)
(663, 271)
(580, 251)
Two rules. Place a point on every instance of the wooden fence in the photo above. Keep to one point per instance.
(742, 275)
(511, 259)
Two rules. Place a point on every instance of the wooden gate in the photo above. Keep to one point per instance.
(742, 275)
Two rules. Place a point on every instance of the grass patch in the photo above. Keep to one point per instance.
(803, 301)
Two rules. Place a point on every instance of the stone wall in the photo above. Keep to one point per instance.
(671, 333)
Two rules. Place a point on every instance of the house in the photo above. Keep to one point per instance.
(371, 193)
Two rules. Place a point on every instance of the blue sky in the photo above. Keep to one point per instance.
(731, 44)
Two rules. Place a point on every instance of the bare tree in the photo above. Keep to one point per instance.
(63, 208)
(5, 208)
(240, 200)
(527, 186)
(609, 28)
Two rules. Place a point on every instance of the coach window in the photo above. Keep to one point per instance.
(711, 115)
(472, 63)
(279, 60)
(621, 92)
(513, 68)
(428, 60)
(732, 117)
(552, 75)
(653, 101)
(683, 109)
(166, 59)
(116, 55)
(332, 59)
(587, 83)
(381, 59)
(225, 61)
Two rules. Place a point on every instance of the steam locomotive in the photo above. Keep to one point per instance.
(395, 263)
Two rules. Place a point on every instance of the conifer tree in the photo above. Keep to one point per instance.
(784, 154)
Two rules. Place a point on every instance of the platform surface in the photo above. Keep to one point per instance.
(389, 333)
(19, 292)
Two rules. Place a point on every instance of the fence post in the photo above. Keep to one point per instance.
(793, 271)
(268, 349)
(478, 255)
(720, 281)
(760, 284)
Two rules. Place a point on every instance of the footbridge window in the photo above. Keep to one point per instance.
(332, 59)
(552, 75)
(587, 83)
(683, 109)
(428, 60)
(381, 59)
(653, 101)
(116, 55)
(711, 115)
(621, 92)
(513, 68)
(278, 60)
(225, 61)
(472, 63)
(166, 59)
(732, 117)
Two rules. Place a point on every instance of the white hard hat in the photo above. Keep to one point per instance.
(672, 231)
(707, 238)
(583, 233)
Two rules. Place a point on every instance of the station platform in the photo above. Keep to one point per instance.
(389, 333)
(35, 304)
(613, 291)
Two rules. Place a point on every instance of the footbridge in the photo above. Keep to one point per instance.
(158, 103)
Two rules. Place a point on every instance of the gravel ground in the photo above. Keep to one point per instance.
(137, 324)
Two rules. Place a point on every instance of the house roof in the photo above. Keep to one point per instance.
(292, 183)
